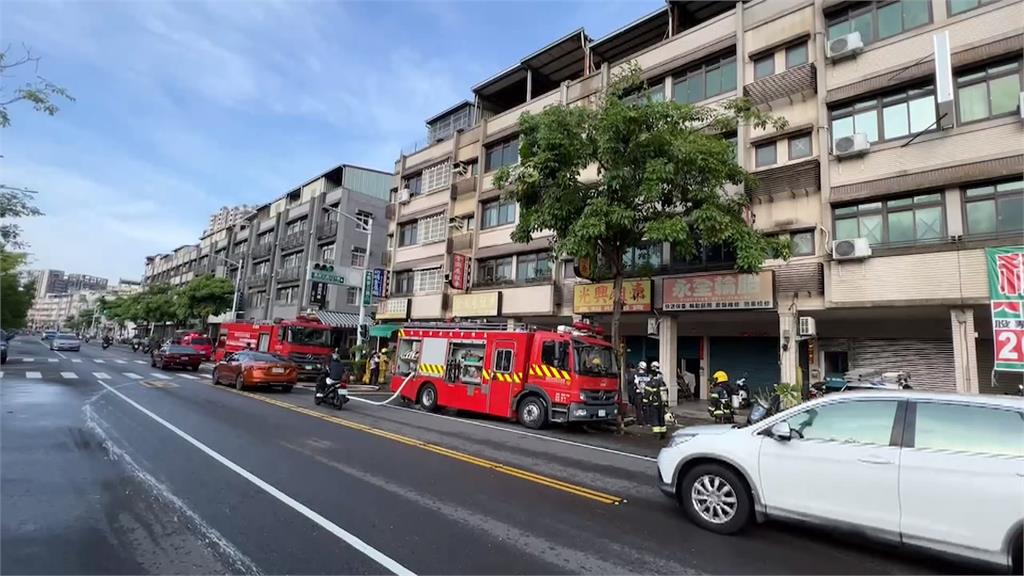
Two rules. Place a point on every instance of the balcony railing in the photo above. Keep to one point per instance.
(256, 280)
(290, 274)
(327, 229)
(294, 240)
(263, 250)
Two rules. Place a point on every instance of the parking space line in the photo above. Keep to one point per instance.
(28, 359)
(100, 361)
(159, 375)
(76, 360)
(53, 360)
(69, 375)
(189, 376)
(132, 375)
(121, 361)
(101, 375)
(33, 375)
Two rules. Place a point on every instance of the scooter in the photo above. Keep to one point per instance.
(760, 411)
(720, 405)
(742, 393)
(135, 345)
(331, 392)
(105, 344)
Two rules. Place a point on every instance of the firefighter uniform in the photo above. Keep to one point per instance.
(640, 380)
(654, 395)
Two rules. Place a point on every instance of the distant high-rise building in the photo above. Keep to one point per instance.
(227, 217)
(59, 282)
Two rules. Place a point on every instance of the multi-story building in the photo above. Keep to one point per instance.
(78, 282)
(870, 153)
(59, 282)
(226, 217)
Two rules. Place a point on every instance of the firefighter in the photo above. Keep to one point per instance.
(640, 379)
(655, 394)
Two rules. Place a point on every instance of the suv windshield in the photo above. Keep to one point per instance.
(66, 337)
(590, 360)
(309, 336)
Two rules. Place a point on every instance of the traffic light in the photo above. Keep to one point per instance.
(323, 267)
(364, 332)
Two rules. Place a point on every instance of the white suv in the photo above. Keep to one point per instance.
(938, 471)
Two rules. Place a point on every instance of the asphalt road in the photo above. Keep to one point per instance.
(110, 466)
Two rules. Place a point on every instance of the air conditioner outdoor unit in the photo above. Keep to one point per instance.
(852, 145)
(844, 46)
(807, 327)
(457, 223)
(404, 196)
(852, 249)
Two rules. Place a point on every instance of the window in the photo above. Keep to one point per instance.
(503, 361)
(800, 243)
(402, 282)
(295, 227)
(878, 20)
(266, 238)
(796, 55)
(432, 228)
(992, 91)
(647, 255)
(960, 6)
(330, 215)
(994, 208)
(904, 220)
(414, 184)
(962, 428)
(710, 78)
(259, 299)
(497, 213)
(501, 154)
(351, 296)
(469, 223)
(799, 146)
(705, 258)
(358, 257)
(443, 128)
(407, 234)
(764, 66)
(495, 270)
(261, 269)
(327, 254)
(287, 295)
(533, 267)
(364, 219)
(390, 241)
(888, 117)
(555, 354)
(292, 260)
(861, 422)
(437, 176)
(427, 281)
(765, 155)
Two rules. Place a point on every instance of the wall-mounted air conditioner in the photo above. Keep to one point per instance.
(404, 196)
(852, 249)
(852, 145)
(807, 327)
(844, 46)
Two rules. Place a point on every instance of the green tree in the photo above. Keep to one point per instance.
(202, 297)
(15, 296)
(662, 172)
(37, 91)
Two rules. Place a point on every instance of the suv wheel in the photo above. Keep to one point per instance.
(715, 498)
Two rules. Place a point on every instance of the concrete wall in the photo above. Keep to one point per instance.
(952, 277)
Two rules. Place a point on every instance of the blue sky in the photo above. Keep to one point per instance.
(183, 107)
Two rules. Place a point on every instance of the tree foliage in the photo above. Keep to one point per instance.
(42, 94)
(202, 297)
(160, 303)
(15, 296)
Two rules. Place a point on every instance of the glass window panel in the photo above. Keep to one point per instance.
(1003, 93)
(890, 20)
(728, 76)
(695, 87)
(973, 102)
(899, 203)
(980, 191)
(870, 206)
(865, 422)
(925, 198)
(846, 210)
(969, 429)
(802, 243)
(837, 29)
(981, 217)
(871, 228)
(895, 121)
(958, 6)
(765, 155)
(800, 147)
(764, 66)
(966, 79)
(922, 114)
(915, 13)
(842, 127)
(901, 226)
(928, 223)
(714, 81)
(862, 24)
(867, 122)
(679, 91)
(846, 229)
(1011, 213)
(1004, 67)
(796, 55)
(1007, 186)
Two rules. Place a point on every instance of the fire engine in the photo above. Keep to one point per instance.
(509, 370)
(305, 341)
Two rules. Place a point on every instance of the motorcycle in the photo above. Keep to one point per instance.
(135, 345)
(762, 410)
(742, 394)
(333, 393)
(720, 405)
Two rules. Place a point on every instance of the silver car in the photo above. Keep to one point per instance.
(66, 342)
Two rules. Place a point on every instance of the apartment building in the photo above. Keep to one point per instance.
(913, 191)
(227, 216)
(60, 282)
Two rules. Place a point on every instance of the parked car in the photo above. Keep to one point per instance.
(201, 343)
(175, 356)
(249, 368)
(64, 342)
(937, 471)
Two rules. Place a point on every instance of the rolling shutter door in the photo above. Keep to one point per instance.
(929, 362)
(754, 358)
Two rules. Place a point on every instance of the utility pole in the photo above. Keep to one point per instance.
(238, 280)
(366, 227)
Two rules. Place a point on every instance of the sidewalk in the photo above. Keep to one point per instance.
(691, 413)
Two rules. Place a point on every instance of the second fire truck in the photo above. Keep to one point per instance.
(511, 371)
(305, 341)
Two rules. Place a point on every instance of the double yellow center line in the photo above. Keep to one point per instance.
(461, 456)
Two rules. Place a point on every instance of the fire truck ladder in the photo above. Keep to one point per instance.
(470, 326)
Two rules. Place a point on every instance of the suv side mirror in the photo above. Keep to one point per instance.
(781, 431)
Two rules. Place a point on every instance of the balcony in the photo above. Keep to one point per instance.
(327, 229)
(462, 242)
(290, 274)
(294, 241)
(800, 177)
(464, 186)
(799, 80)
(263, 250)
(256, 280)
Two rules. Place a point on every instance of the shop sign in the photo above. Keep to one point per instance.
(458, 280)
(720, 292)
(393, 309)
(1006, 296)
(379, 281)
(597, 298)
(486, 304)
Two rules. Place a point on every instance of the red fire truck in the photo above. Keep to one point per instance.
(305, 341)
(511, 371)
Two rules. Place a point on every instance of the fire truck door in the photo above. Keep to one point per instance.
(502, 380)
(264, 342)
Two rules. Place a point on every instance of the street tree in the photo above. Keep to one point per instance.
(202, 297)
(663, 169)
(15, 296)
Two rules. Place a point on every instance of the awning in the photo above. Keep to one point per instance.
(341, 319)
(383, 330)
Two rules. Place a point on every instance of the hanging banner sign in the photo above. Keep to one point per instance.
(1006, 298)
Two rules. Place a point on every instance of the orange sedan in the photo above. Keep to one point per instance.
(249, 368)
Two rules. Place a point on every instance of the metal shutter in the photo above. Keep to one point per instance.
(929, 362)
(755, 358)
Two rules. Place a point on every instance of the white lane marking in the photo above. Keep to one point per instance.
(189, 376)
(69, 375)
(139, 361)
(349, 538)
(132, 375)
(76, 360)
(1, 374)
(159, 375)
(28, 359)
(101, 375)
(33, 375)
(121, 361)
(100, 361)
(520, 432)
(54, 360)
(59, 354)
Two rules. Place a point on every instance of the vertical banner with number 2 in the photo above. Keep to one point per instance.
(1006, 294)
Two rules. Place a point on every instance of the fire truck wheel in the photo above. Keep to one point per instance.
(533, 413)
(428, 398)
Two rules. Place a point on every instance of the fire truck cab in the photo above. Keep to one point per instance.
(305, 341)
(510, 371)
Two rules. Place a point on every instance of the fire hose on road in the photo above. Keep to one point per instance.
(392, 397)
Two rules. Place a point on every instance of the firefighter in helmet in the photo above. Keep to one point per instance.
(640, 380)
(655, 396)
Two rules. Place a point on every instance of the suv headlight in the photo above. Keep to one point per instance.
(678, 439)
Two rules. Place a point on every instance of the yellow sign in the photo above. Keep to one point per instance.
(597, 298)
(476, 305)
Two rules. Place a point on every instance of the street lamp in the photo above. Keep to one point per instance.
(366, 227)
(238, 279)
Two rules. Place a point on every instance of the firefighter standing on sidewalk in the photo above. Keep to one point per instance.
(654, 395)
(640, 380)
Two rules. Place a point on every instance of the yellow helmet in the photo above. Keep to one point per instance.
(720, 376)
